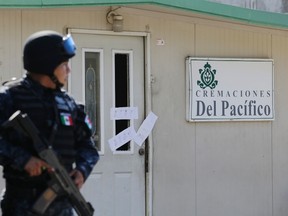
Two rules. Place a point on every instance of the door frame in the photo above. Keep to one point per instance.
(148, 104)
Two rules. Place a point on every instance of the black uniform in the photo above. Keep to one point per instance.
(63, 123)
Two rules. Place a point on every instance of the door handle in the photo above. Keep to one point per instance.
(141, 151)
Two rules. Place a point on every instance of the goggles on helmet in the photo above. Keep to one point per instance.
(69, 45)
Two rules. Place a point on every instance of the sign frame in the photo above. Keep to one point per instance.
(196, 82)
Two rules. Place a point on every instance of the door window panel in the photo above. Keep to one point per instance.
(92, 93)
(122, 70)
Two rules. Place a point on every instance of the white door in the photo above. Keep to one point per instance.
(108, 72)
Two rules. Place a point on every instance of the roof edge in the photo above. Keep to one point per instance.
(245, 15)
(249, 16)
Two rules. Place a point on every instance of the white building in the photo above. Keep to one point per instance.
(234, 166)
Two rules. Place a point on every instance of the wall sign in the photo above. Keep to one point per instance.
(229, 89)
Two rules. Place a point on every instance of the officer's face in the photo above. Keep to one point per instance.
(62, 72)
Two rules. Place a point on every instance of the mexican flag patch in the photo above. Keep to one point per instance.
(66, 119)
(88, 122)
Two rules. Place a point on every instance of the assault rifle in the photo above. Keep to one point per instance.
(61, 183)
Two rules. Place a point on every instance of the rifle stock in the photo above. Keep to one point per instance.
(61, 182)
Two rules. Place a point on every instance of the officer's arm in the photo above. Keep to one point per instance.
(87, 154)
(9, 153)
(13, 155)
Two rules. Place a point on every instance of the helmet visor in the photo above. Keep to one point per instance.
(69, 45)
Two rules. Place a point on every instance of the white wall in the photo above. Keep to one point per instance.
(199, 169)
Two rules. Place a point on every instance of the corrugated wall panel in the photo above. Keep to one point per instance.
(10, 44)
(234, 169)
(234, 159)
(174, 153)
(229, 42)
(280, 126)
(60, 19)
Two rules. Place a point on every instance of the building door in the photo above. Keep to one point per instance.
(108, 73)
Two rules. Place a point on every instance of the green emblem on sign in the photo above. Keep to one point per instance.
(207, 77)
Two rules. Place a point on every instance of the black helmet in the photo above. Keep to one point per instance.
(45, 50)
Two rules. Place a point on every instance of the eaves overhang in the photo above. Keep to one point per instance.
(245, 15)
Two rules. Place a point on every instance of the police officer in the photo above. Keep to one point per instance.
(57, 116)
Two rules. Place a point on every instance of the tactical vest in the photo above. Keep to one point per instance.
(53, 112)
